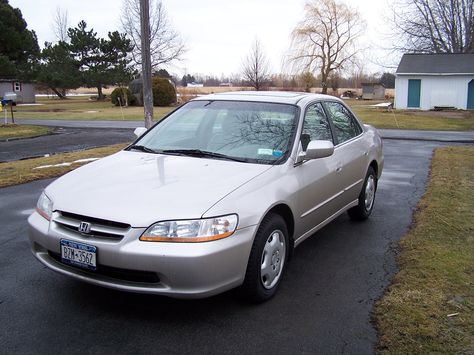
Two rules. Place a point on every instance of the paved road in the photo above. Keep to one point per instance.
(429, 136)
(63, 140)
(323, 306)
(82, 123)
(77, 135)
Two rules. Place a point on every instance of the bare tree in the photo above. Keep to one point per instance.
(60, 25)
(166, 44)
(434, 26)
(255, 67)
(326, 39)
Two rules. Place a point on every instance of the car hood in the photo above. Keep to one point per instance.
(140, 188)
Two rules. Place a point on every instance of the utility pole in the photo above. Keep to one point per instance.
(146, 62)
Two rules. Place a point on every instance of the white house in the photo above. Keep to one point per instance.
(429, 81)
(25, 92)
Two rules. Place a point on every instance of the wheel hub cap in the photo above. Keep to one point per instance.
(369, 193)
(273, 259)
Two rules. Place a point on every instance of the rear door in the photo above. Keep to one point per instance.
(351, 151)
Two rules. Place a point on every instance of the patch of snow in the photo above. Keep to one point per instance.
(85, 160)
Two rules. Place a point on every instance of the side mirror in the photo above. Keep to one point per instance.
(139, 131)
(316, 149)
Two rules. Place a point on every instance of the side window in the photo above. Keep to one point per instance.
(345, 125)
(315, 126)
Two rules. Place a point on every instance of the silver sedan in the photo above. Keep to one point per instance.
(215, 196)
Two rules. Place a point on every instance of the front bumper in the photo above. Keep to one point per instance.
(184, 270)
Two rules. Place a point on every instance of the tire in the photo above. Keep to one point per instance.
(366, 198)
(267, 260)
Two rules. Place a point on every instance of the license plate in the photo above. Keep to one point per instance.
(79, 254)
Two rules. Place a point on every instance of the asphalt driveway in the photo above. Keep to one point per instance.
(323, 306)
(63, 139)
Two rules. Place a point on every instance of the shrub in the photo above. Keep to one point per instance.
(164, 93)
(125, 95)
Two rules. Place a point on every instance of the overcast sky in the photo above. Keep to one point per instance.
(217, 33)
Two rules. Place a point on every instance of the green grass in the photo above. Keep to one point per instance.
(81, 108)
(11, 131)
(22, 171)
(429, 308)
(413, 119)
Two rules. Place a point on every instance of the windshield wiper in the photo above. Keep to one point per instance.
(202, 154)
(142, 148)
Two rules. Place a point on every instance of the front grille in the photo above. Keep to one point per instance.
(94, 233)
(94, 220)
(115, 273)
(100, 228)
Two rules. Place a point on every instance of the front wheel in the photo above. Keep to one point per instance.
(366, 198)
(267, 259)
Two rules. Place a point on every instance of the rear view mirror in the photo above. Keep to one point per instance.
(316, 149)
(139, 131)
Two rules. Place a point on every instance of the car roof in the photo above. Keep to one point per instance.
(284, 97)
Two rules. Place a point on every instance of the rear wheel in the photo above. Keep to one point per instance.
(267, 259)
(366, 198)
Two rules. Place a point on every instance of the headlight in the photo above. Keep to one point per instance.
(189, 231)
(45, 206)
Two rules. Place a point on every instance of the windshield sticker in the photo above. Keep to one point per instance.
(264, 151)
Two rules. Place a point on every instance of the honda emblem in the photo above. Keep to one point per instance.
(84, 227)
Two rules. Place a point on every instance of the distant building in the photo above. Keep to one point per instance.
(24, 92)
(430, 81)
(194, 85)
(373, 91)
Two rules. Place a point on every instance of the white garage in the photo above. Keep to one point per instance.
(430, 81)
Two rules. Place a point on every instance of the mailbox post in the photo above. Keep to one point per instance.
(4, 105)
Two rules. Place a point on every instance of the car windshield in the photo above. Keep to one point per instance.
(252, 132)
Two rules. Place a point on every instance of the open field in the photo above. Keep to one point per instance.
(12, 131)
(429, 308)
(80, 107)
(22, 171)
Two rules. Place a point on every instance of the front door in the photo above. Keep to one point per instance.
(319, 196)
(414, 91)
(470, 95)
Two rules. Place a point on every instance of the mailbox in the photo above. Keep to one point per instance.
(12, 98)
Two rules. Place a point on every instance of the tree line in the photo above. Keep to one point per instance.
(327, 41)
(80, 57)
(325, 44)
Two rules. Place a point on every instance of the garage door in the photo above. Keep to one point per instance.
(470, 95)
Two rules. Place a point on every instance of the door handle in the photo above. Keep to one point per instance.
(339, 168)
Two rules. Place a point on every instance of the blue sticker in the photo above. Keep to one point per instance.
(277, 153)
